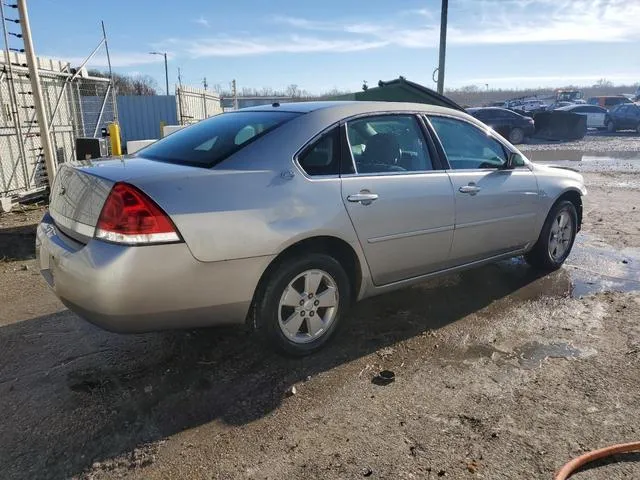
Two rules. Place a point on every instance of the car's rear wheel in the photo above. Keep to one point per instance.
(516, 135)
(556, 238)
(638, 128)
(302, 303)
(611, 128)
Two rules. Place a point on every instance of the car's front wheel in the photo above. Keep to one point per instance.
(556, 238)
(516, 135)
(611, 128)
(302, 303)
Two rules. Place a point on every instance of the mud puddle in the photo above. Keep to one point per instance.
(594, 266)
(528, 356)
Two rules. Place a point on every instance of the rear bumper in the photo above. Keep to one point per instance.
(148, 288)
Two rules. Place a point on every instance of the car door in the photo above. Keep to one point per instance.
(633, 115)
(623, 117)
(399, 197)
(595, 116)
(495, 207)
(584, 111)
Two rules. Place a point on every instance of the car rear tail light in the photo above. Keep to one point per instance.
(130, 217)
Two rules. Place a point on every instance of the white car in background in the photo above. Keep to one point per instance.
(595, 115)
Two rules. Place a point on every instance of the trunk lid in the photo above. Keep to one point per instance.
(76, 200)
(81, 188)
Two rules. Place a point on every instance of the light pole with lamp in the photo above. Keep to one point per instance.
(166, 70)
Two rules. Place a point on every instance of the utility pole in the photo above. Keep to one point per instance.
(43, 121)
(443, 45)
(204, 83)
(235, 94)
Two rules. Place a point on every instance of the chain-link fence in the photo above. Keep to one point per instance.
(195, 104)
(76, 106)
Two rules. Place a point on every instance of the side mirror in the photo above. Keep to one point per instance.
(514, 160)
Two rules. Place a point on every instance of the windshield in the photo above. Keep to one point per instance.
(210, 141)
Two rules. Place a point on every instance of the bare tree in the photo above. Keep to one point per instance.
(127, 85)
(603, 83)
(292, 90)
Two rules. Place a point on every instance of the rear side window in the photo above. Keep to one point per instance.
(323, 156)
(210, 141)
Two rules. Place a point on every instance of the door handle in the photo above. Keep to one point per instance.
(471, 189)
(365, 198)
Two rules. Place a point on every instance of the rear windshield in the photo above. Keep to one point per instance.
(210, 141)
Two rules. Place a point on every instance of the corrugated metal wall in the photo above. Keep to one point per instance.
(140, 115)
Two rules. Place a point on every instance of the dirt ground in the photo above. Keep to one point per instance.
(500, 374)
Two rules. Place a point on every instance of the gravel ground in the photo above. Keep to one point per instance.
(500, 374)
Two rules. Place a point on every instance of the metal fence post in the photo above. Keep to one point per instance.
(43, 121)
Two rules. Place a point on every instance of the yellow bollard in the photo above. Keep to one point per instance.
(162, 125)
(114, 137)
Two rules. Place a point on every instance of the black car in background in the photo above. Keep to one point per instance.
(625, 116)
(509, 124)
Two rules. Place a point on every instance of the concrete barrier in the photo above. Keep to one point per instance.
(134, 145)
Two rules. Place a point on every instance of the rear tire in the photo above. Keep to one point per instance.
(611, 128)
(516, 135)
(638, 128)
(556, 238)
(293, 320)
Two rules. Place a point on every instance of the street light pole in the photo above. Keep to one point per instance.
(166, 68)
(443, 45)
(166, 73)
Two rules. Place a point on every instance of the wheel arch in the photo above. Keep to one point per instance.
(574, 196)
(331, 245)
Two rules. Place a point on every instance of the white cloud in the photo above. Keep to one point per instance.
(495, 22)
(202, 21)
(471, 22)
(230, 47)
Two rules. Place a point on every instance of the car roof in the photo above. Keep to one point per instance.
(298, 107)
(347, 108)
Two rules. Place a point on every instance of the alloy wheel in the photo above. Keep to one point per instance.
(308, 306)
(560, 235)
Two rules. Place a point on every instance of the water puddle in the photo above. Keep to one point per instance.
(592, 267)
(593, 162)
(529, 356)
(532, 354)
(580, 156)
(595, 266)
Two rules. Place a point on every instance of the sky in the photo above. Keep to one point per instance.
(321, 45)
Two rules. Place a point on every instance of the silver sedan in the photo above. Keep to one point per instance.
(280, 217)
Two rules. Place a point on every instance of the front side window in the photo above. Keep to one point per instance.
(323, 156)
(210, 141)
(388, 143)
(466, 146)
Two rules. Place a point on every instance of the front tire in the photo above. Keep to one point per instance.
(611, 128)
(556, 238)
(302, 303)
(516, 136)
